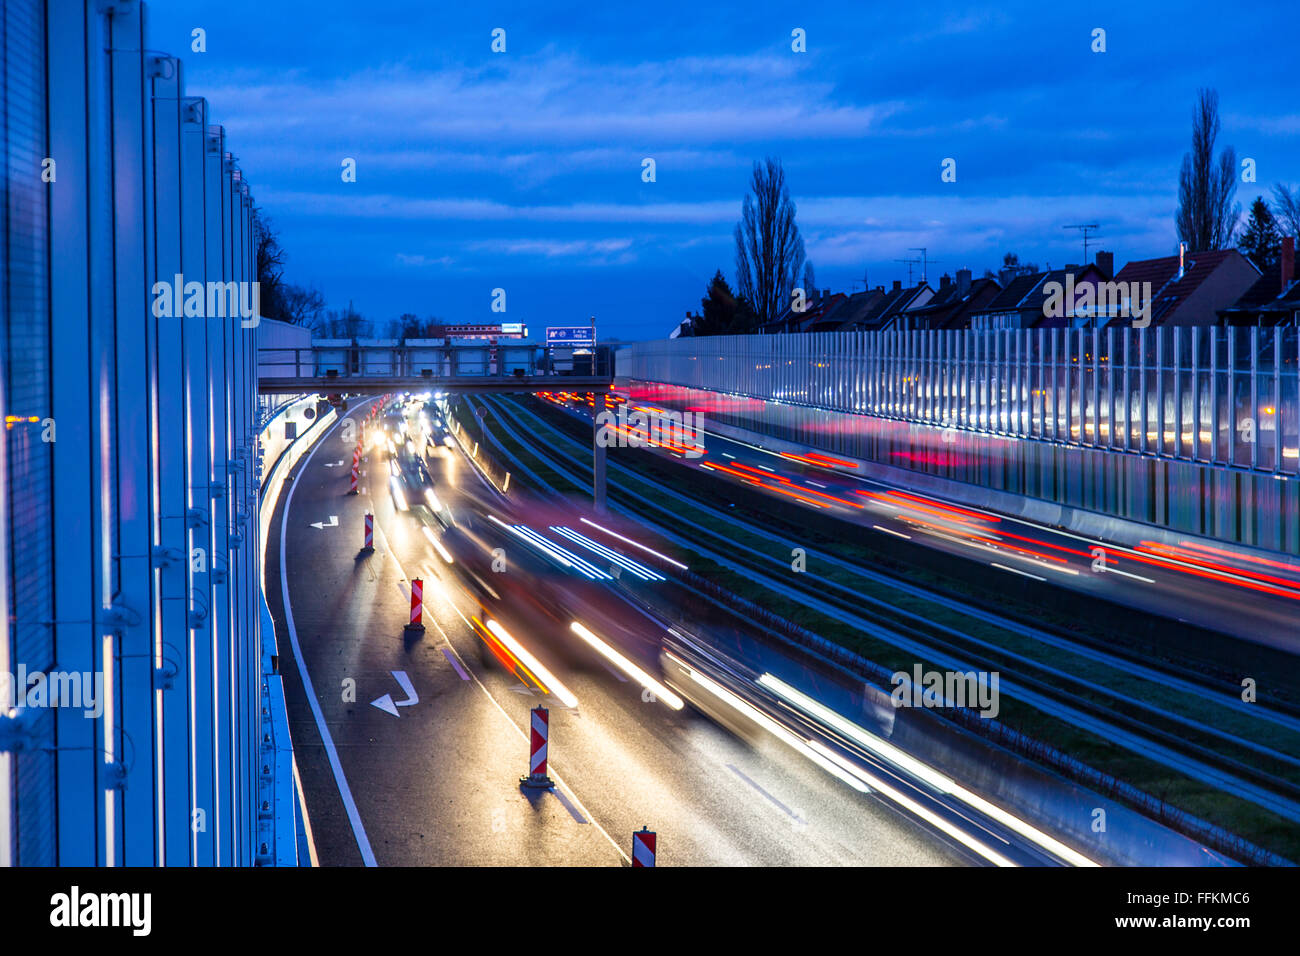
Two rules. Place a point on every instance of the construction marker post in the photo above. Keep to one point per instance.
(417, 605)
(644, 842)
(352, 482)
(537, 777)
(370, 533)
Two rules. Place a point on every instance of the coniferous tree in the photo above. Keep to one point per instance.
(1260, 241)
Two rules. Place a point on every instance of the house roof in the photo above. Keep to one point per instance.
(1026, 294)
(889, 304)
(950, 309)
(1168, 291)
(852, 309)
(791, 321)
(1037, 298)
(1014, 292)
(1267, 294)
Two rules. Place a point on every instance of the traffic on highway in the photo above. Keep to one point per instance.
(734, 742)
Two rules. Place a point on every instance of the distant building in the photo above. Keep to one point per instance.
(1194, 293)
(1025, 301)
(952, 306)
(1274, 299)
(886, 309)
(816, 305)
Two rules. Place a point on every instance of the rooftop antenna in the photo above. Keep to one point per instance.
(909, 269)
(1087, 228)
(924, 262)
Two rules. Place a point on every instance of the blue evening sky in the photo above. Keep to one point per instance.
(522, 170)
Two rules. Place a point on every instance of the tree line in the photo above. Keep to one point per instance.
(305, 305)
(770, 252)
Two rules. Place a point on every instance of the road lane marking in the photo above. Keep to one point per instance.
(1026, 574)
(896, 534)
(523, 734)
(455, 663)
(1126, 574)
(306, 820)
(345, 792)
(621, 678)
(573, 811)
(777, 803)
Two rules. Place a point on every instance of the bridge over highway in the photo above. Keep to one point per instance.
(339, 367)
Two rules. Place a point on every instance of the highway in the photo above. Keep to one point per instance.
(1190, 724)
(1249, 595)
(437, 782)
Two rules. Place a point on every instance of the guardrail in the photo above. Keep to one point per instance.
(279, 819)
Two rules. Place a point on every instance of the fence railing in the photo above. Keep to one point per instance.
(1219, 395)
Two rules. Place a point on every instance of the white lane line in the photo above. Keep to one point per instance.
(573, 811)
(345, 792)
(896, 534)
(1135, 577)
(455, 663)
(524, 735)
(302, 808)
(1015, 571)
(775, 802)
(621, 678)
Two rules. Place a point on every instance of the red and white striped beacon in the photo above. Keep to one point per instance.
(370, 533)
(644, 842)
(417, 605)
(537, 751)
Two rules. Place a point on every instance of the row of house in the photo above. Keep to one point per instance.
(1221, 287)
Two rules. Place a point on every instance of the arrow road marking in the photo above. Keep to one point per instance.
(332, 523)
(388, 705)
(411, 696)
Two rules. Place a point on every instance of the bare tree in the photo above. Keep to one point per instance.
(1207, 217)
(301, 305)
(342, 324)
(270, 266)
(1286, 209)
(769, 250)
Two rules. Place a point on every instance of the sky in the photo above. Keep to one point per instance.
(523, 170)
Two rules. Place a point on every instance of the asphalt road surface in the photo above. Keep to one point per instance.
(437, 782)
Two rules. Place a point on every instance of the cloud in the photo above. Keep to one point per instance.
(550, 99)
(1287, 124)
(421, 260)
(551, 248)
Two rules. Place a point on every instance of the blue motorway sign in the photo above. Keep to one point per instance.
(571, 335)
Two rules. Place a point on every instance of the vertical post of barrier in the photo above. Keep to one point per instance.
(598, 457)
